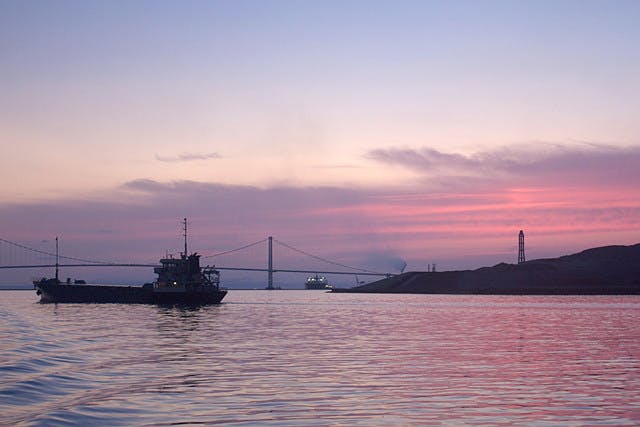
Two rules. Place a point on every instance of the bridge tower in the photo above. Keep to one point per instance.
(57, 261)
(521, 258)
(270, 283)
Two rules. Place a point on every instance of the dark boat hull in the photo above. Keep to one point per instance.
(318, 287)
(51, 292)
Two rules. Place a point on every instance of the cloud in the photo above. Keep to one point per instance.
(540, 164)
(374, 228)
(144, 185)
(188, 157)
(425, 159)
(336, 166)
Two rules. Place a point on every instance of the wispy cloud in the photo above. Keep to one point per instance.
(424, 159)
(336, 166)
(545, 163)
(188, 157)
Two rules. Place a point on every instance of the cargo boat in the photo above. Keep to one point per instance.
(180, 281)
(317, 282)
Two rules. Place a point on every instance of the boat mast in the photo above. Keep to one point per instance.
(57, 264)
(185, 237)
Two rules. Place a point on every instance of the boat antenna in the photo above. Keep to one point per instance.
(57, 263)
(185, 237)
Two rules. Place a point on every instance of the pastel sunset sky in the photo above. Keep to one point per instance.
(361, 131)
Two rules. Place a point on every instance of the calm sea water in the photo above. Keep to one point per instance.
(296, 358)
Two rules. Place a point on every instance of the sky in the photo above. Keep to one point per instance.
(367, 132)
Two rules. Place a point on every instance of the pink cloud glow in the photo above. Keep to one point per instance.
(464, 228)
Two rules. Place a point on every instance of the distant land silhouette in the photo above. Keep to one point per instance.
(608, 270)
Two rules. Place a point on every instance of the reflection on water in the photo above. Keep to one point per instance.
(310, 358)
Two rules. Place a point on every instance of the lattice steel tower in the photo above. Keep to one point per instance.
(521, 247)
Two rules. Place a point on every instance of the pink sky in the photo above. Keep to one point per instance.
(456, 223)
(368, 133)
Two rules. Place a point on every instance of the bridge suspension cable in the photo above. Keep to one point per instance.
(324, 259)
(94, 263)
(53, 255)
(235, 250)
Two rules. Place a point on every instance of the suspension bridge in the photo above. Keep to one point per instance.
(17, 256)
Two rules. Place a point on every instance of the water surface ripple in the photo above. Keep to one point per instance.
(308, 358)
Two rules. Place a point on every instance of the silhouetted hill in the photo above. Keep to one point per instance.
(605, 270)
